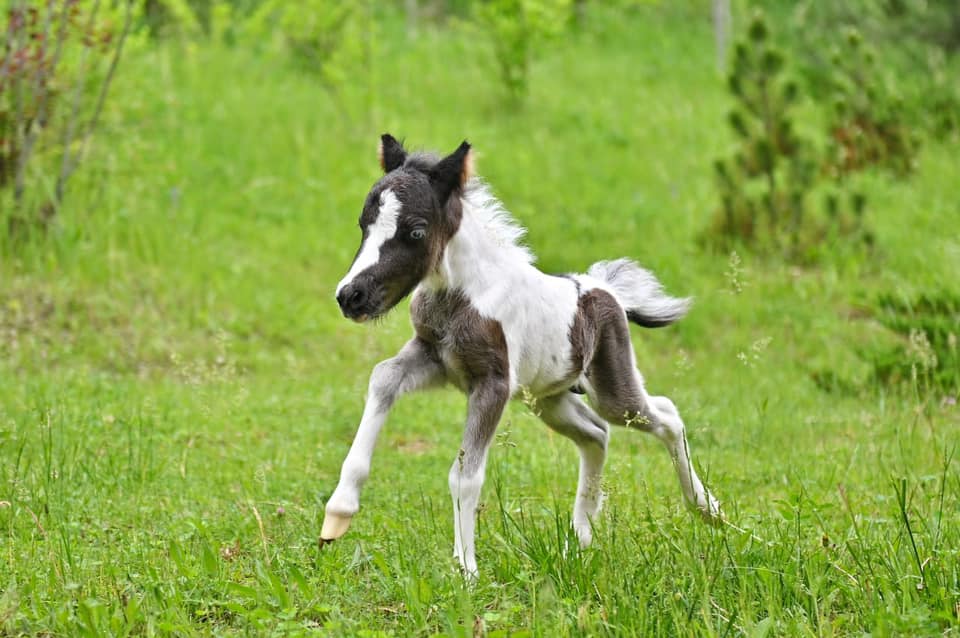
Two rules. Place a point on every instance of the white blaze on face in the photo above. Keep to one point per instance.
(382, 229)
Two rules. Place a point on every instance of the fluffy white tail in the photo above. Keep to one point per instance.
(639, 292)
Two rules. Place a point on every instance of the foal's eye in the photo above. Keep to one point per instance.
(418, 233)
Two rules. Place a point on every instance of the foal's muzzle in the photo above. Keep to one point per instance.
(354, 301)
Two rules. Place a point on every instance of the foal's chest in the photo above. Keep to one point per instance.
(470, 347)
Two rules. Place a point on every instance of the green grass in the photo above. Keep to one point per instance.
(177, 389)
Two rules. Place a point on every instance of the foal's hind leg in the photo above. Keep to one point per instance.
(568, 415)
(621, 398)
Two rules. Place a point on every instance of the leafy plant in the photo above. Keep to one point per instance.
(938, 107)
(868, 120)
(325, 37)
(765, 187)
(516, 28)
(929, 355)
(179, 17)
(914, 41)
(58, 61)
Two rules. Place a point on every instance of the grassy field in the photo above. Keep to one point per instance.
(177, 388)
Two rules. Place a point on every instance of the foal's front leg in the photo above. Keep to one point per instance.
(415, 367)
(484, 408)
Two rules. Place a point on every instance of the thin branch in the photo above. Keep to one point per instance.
(75, 109)
(31, 138)
(7, 130)
(104, 88)
(17, 91)
(9, 38)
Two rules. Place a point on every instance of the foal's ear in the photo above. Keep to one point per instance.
(452, 172)
(391, 153)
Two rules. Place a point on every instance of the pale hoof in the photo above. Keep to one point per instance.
(711, 513)
(334, 526)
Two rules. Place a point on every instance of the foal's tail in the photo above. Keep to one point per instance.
(639, 292)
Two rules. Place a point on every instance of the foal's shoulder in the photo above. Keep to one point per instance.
(476, 345)
(434, 311)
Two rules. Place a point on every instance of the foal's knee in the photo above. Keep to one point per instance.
(385, 383)
(665, 405)
(600, 436)
(668, 418)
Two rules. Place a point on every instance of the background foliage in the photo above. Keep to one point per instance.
(177, 388)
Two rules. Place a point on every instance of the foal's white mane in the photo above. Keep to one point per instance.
(488, 211)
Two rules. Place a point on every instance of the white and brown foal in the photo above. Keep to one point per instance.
(489, 322)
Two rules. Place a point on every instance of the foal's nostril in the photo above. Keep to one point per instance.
(357, 297)
(352, 299)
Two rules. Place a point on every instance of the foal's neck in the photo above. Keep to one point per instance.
(485, 251)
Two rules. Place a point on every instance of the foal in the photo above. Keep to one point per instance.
(487, 321)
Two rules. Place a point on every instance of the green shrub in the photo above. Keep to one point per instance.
(766, 186)
(175, 17)
(57, 64)
(928, 356)
(322, 36)
(327, 38)
(868, 121)
(516, 28)
(937, 107)
(914, 44)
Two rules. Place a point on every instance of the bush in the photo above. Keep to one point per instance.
(914, 41)
(868, 120)
(326, 38)
(322, 36)
(766, 186)
(58, 62)
(928, 356)
(516, 28)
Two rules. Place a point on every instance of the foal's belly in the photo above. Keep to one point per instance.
(537, 329)
(543, 366)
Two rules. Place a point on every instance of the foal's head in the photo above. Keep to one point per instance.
(408, 217)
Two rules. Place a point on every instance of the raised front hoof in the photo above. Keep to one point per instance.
(334, 526)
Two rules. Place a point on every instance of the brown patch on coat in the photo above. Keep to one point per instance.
(471, 347)
(595, 310)
(601, 349)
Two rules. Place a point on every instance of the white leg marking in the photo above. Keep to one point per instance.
(465, 491)
(345, 500)
(571, 417)
(382, 229)
(589, 495)
(670, 430)
(412, 369)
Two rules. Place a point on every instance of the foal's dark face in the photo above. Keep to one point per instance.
(408, 217)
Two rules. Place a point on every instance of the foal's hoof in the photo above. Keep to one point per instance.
(711, 512)
(334, 526)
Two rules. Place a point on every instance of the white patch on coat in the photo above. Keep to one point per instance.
(378, 233)
(487, 262)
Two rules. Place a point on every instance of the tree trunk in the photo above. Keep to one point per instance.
(721, 31)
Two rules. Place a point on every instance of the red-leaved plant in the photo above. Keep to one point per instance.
(57, 61)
